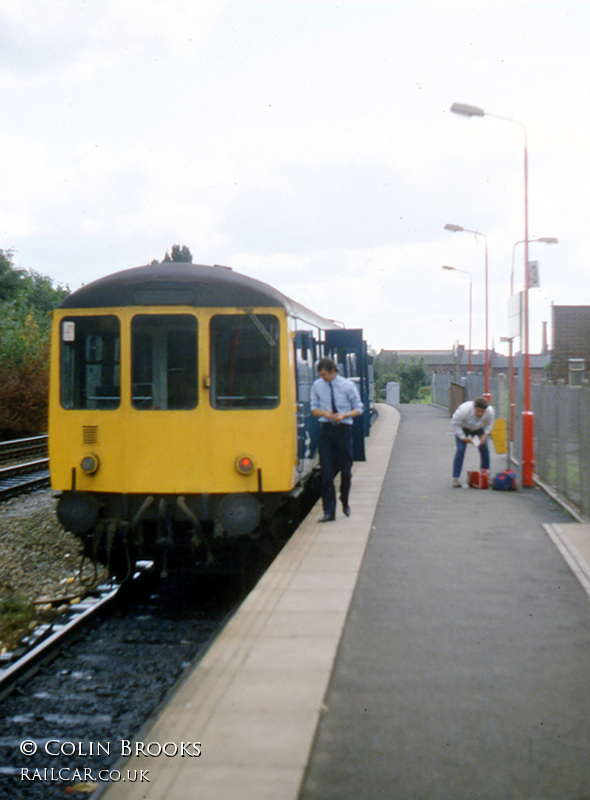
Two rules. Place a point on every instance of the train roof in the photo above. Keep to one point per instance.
(180, 283)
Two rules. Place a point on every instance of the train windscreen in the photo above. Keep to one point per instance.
(164, 361)
(244, 361)
(90, 360)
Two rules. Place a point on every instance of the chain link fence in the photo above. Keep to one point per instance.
(562, 441)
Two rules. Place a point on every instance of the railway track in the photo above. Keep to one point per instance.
(102, 685)
(24, 465)
(77, 692)
(19, 664)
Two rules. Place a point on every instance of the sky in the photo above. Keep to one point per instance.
(309, 145)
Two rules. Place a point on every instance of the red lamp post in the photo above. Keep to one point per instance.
(528, 419)
(541, 240)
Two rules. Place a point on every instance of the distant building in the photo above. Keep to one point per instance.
(455, 362)
(570, 359)
(452, 362)
(434, 360)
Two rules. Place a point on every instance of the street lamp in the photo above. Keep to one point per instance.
(528, 419)
(464, 271)
(461, 229)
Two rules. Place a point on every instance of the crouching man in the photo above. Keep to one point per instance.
(472, 424)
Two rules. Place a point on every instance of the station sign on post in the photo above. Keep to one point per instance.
(515, 314)
(534, 281)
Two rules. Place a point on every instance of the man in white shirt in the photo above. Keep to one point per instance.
(472, 424)
(335, 401)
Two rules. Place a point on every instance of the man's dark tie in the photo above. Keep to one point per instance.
(334, 409)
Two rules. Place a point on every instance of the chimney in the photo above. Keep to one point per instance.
(544, 348)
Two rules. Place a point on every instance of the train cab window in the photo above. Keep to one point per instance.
(244, 361)
(90, 358)
(164, 361)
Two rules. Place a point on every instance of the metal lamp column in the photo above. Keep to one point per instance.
(460, 229)
(528, 420)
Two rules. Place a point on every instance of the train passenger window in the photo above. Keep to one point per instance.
(244, 361)
(164, 361)
(90, 357)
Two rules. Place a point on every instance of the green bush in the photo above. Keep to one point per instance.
(412, 377)
(26, 302)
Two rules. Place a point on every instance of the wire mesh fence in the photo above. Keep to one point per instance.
(562, 440)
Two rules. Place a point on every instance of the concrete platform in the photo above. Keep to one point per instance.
(255, 699)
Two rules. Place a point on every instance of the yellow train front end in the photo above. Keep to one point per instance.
(173, 428)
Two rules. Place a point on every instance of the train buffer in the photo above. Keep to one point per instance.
(434, 645)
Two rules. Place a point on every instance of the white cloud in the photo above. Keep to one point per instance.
(84, 38)
(310, 144)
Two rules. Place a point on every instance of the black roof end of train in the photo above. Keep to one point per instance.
(175, 283)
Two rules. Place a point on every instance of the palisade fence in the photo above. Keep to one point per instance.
(562, 428)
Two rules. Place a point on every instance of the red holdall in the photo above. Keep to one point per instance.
(505, 481)
(479, 479)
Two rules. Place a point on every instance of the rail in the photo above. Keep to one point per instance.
(22, 448)
(20, 664)
(23, 472)
(17, 665)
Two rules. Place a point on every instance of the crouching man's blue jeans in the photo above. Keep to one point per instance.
(484, 454)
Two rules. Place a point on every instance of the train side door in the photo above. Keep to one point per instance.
(305, 353)
(349, 350)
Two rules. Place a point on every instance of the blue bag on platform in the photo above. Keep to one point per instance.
(505, 481)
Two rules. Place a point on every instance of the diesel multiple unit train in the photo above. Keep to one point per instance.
(179, 418)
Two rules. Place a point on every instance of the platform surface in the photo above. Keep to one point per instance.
(464, 667)
(255, 699)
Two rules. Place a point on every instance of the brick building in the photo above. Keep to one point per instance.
(571, 343)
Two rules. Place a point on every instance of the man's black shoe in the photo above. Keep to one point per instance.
(346, 510)
(327, 518)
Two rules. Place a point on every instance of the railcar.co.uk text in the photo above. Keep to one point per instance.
(124, 748)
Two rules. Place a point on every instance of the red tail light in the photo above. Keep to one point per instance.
(245, 465)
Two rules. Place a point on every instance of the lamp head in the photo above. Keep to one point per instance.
(547, 240)
(467, 111)
(444, 266)
(454, 228)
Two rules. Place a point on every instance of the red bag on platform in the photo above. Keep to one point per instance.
(478, 479)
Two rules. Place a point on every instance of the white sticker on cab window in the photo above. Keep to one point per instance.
(69, 331)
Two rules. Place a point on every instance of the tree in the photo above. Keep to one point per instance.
(11, 279)
(179, 253)
(27, 299)
(412, 375)
(41, 295)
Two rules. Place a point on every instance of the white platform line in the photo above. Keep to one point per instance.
(571, 555)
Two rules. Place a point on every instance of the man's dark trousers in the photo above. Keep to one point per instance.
(335, 448)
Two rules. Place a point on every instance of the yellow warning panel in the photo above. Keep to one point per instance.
(499, 437)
